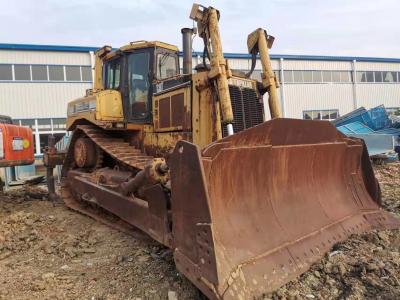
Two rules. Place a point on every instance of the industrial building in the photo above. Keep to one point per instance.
(37, 81)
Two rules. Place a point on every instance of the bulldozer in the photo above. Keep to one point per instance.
(186, 157)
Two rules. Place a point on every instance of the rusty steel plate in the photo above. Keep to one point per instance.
(254, 210)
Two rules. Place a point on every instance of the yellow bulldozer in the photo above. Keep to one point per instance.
(186, 157)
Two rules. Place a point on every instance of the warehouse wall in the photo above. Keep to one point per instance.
(35, 103)
(374, 94)
(44, 57)
(301, 97)
(39, 100)
(316, 65)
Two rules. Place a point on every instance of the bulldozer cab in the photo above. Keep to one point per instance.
(134, 73)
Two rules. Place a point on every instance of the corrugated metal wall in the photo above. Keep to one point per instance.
(316, 65)
(44, 57)
(38, 100)
(43, 100)
(300, 97)
(374, 94)
(377, 66)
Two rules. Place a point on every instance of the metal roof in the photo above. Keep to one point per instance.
(59, 48)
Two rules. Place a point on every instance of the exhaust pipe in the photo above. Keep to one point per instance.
(187, 34)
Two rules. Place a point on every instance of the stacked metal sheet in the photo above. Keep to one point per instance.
(373, 126)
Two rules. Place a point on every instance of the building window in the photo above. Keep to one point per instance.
(370, 76)
(326, 76)
(44, 124)
(390, 77)
(22, 72)
(298, 76)
(29, 123)
(317, 76)
(307, 76)
(86, 74)
(39, 72)
(326, 114)
(361, 77)
(59, 124)
(56, 73)
(378, 76)
(335, 76)
(11, 72)
(345, 76)
(288, 76)
(73, 73)
(6, 72)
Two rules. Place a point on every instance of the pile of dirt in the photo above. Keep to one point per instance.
(50, 252)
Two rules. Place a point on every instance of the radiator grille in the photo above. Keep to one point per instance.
(248, 111)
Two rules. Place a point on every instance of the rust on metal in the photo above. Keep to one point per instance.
(164, 112)
(177, 110)
(286, 189)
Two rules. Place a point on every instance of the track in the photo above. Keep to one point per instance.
(119, 150)
(116, 147)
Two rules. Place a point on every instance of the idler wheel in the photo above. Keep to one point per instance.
(86, 153)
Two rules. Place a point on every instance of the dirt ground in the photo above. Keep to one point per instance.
(50, 252)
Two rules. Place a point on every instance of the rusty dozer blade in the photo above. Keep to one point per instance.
(256, 209)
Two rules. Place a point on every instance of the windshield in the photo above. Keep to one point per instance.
(166, 65)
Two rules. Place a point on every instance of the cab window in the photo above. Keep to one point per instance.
(112, 74)
(166, 65)
(138, 81)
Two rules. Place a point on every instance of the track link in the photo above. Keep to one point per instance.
(122, 152)
(116, 147)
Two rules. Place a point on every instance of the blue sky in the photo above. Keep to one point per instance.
(336, 27)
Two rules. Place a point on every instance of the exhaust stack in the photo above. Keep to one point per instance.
(187, 34)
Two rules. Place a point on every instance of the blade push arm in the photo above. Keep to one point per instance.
(260, 42)
(207, 22)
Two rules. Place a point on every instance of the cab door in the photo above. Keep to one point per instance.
(139, 87)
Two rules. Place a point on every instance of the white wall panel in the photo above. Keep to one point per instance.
(377, 66)
(274, 63)
(300, 97)
(316, 65)
(238, 64)
(39, 100)
(44, 57)
(371, 95)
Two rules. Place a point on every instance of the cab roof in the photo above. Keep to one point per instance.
(140, 45)
(145, 44)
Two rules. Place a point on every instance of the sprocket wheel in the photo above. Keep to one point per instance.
(87, 154)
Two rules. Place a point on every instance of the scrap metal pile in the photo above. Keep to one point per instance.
(379, 130)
